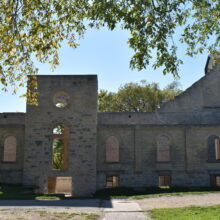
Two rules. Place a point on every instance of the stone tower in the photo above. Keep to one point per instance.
(70, 101)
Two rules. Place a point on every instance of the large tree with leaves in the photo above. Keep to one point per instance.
(31, 28)
(137, 97)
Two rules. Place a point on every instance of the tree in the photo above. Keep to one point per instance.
(58, 154)
(36, 28)
(134, 97)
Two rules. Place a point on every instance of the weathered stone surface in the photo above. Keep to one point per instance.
(82, 91)
(187, 122)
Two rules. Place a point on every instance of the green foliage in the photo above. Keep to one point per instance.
(58, 154)
(192, 213)
(134, 97)
(31, 28)
(58, 129)
(35, 28)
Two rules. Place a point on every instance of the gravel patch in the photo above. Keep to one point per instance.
(27, 214)
(179, 201)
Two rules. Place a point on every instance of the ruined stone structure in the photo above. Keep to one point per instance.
(177, 145)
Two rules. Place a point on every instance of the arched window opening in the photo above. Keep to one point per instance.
(163, 149)
(112, 149)
(61, 99)
(213, 148)
(60, 147)
(10, 145)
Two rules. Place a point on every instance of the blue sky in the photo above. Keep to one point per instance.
(107, 54)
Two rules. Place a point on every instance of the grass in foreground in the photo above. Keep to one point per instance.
(188, 213)
(45, 215)
(65, 216)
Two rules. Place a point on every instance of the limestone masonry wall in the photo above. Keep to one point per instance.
(179, 142)
(12, 124)
(80, 116)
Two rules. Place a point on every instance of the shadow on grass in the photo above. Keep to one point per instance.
(126, 192)
(16, 195)
(18, 192)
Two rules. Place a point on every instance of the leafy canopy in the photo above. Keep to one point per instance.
(137, 97)
(31, 28)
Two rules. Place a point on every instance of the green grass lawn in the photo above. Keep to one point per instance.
(188, 213)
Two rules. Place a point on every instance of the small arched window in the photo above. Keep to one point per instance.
(213, 148)
(10, 145)
(163, 149)
(60, 147)
(112, 149)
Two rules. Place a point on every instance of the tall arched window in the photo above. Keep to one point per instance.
(163, 149)
(213, 148)
(112, 149)
(10, 145)
(60, 147)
